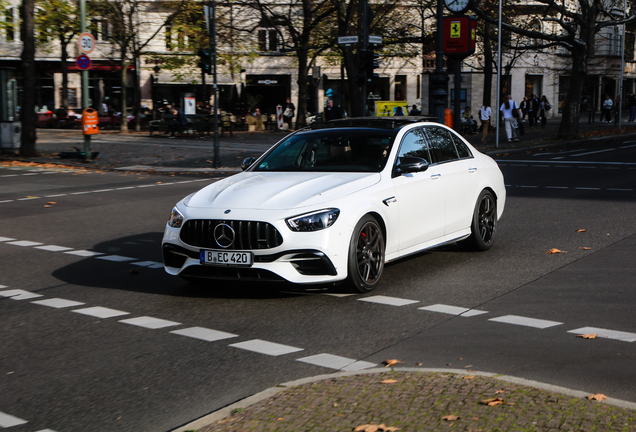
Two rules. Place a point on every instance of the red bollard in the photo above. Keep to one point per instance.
(448, 117)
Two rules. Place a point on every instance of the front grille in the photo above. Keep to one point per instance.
(249, 235)
(229, 273)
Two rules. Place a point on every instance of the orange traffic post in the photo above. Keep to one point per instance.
(448, 117)
(90, 121)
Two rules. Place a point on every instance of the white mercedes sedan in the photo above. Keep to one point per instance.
(335, 202)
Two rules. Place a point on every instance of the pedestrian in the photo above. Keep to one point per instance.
(523, 106)
(535, 108)
(508, 109)
(414, 111)
(398, 111)
(178, 122)
(544, 107)
(332, 112)
(484, 115)
(288, 114)
(617, 108)
(607, 109)
(631, 103)
(467, 117)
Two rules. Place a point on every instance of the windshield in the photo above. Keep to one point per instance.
(331, 150)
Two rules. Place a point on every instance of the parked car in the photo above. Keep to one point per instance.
(335, 202)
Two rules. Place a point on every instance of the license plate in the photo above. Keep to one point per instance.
(226, 258)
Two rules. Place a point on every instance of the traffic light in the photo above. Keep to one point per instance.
(368, 61)
(206, 60)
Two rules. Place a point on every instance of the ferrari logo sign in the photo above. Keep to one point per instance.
(459, 36)
(455, 29)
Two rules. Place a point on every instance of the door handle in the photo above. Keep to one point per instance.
(472, 170)
(435, 176)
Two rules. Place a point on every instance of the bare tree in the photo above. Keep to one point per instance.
(573, 26)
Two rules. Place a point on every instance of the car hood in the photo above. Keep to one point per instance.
(280, 190)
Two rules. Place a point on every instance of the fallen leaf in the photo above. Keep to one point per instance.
(388, 381)
(555, 251)
(418, 364)
(450, 418)
(588, 336)
(581, 230)
(280, 418)
(500, 391)
(391, 429)
(335, 404)
(468, 366)
(47, 206)
(391, 362)
(492, 402)
(585, 248)
(597, 397)
(51, 202)
(469, 377)
(475, 418)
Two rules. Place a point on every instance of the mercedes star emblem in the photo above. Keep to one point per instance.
(224, 235)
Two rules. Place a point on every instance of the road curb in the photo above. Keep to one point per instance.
(272, 391)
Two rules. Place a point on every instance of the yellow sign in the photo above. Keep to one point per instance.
(455, 29)
(391, 108)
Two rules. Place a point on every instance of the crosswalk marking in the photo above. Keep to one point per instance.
(391, 301)
(149, 322)
(336, 362)
(203, 333)
(608, 334)
(100, 312)
(7, 421)
(18, 294)
(264, 347)
(58, 303)
(524, 321)
(452, 310)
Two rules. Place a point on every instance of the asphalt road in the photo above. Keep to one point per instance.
(127, 354)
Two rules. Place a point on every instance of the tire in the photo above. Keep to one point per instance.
(484, 225)
(366, 255)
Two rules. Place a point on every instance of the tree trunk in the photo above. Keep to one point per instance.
(303, 88)
(64, 60)
(124, 112)
(569, 126)
(27, 111)
(488, 64)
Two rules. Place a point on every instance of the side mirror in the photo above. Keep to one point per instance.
(410, 164)
(247, 163)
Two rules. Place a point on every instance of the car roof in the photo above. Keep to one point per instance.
(372, 122)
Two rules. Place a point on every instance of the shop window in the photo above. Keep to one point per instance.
(267, 40)
(100, 29)
(11, 26)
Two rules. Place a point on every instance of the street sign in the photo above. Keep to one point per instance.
(347, 40)
(459, 36)
(375, 40)
(83, 62)
(86, 43)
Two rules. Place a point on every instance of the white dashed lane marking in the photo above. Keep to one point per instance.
(604, 333)
(524, 321)
(18, 294)
(54, 248)
(58, 303)
(391, 301)
(7, 421)
(267, 348)
(452, 310)
(100, 312)
(84, 253)
(336, 362)
(25, 243)
(149, 322)
(203, 333)
(116, 258)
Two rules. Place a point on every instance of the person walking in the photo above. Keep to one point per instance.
(484, 115)
(544, 107)
(508, 109)
(523, 106)
(288, 114)
(607, 109)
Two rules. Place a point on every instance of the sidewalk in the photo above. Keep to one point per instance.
(419, 400)
(141, 152)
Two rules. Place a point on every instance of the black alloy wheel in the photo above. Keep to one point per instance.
(484, 225)
(366, 255)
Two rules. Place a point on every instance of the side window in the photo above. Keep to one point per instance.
(414, 144)
(462, 148)
(442, 145)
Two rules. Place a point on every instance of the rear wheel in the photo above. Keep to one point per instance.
(366, 255)
(484, 225)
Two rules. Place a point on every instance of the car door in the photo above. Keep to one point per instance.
(420, 196)
(458, 174)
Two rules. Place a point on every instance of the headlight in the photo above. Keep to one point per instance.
(176, 219)
(314, 221)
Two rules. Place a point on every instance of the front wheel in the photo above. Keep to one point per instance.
(366, 255)
(484, 225)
